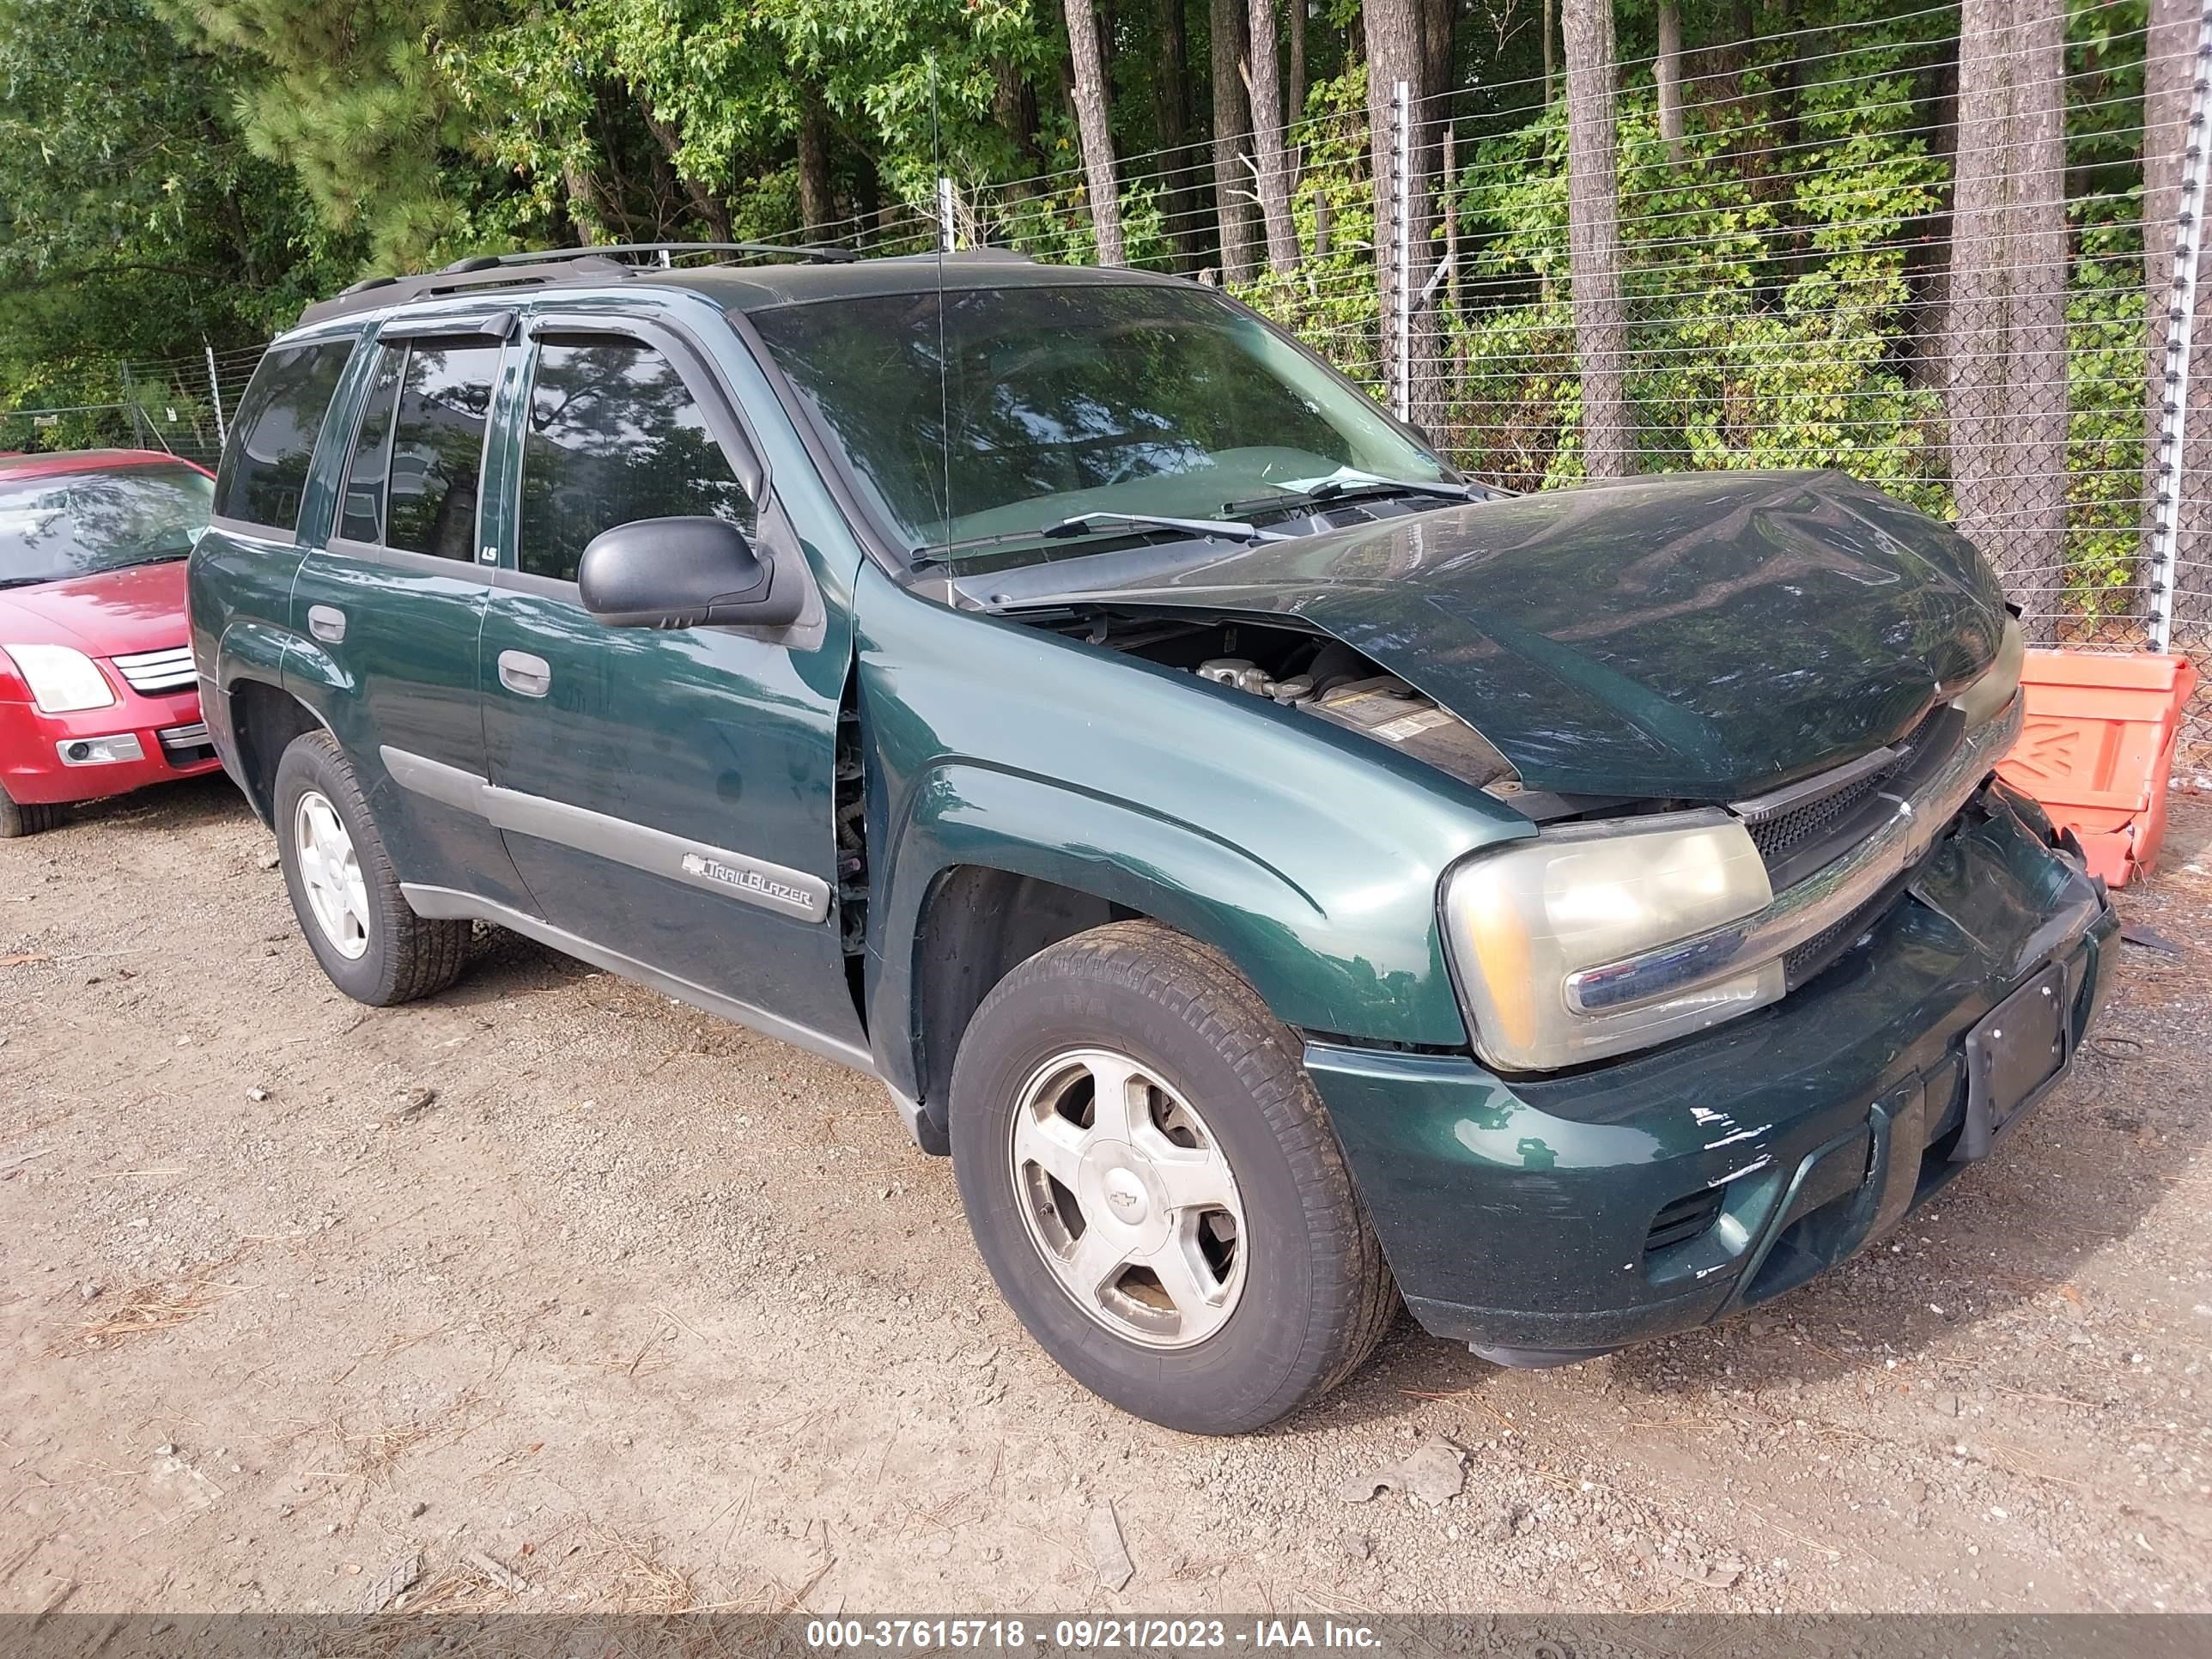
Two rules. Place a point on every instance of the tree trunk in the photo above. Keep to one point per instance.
(1294, 96)
(2006, 392)
(1928, 256)
(1667, 73)
(585, 211)
(1438, 17)
(1450, 187)
(1014, 106)
(1091, 122)
(1268, 150)
(704, 202)
(1593, 239)
(1549, 68)
(1171, 116)
(1397, 50)
(1232, 129)
(816, 200)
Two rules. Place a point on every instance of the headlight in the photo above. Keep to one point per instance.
(1525, 919)
(1987, 697)
(61, 680)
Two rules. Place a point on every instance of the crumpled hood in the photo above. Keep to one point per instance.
(1705, 635)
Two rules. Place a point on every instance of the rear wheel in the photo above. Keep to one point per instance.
(1155, 1186)
(358, 923)
(18, 817)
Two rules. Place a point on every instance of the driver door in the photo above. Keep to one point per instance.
(666, 794)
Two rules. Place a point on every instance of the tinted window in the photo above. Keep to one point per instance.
(360, 511)
(55, 528)
(437, 448)
(614, 436)
(1031, 405)
(272, 439)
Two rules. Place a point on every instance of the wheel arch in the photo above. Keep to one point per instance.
(264, 719)
(985, 873)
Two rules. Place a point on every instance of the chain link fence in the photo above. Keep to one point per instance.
(181, 406)
(1965, 271)
(1962, 270)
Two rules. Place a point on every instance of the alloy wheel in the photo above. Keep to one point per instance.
(1128, 1198)
(329, 875)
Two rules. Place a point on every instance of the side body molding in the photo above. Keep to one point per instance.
(717, 869)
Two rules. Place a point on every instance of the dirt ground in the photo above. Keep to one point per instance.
(588, 1301)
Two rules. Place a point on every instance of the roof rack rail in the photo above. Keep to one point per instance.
(820, 254)
(530, 269)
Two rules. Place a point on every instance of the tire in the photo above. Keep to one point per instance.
(377, 951)
(18, 817)
(1217, 1084)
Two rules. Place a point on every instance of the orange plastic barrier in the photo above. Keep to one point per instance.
(2096, 749)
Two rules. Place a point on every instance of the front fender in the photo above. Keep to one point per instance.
(969, 813)
(1307, 855)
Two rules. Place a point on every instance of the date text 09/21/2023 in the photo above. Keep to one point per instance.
(1087, 1634)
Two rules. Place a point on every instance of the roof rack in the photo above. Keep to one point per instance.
(820, 255)
(528, 269)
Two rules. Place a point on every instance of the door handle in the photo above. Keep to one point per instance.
(525, 675)
(327, 622)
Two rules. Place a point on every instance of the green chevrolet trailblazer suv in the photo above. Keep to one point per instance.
(1284, 876)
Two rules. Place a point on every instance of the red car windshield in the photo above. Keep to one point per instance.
(79, 524)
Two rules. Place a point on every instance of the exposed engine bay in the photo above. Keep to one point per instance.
(1309, 672)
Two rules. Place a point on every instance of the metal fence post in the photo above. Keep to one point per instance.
(130, 402)
(948, 238)
(2181, 316)
(1401, 248)
(214, 395)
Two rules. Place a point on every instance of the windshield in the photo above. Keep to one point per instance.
(79, 524)
(1136, 397)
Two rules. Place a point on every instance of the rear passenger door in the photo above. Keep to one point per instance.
(667, 794)
(393, 603)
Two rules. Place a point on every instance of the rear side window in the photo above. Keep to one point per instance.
(437, 448)
(615, 435)
(360, 509)
(273, 440)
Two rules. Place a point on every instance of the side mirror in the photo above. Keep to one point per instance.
(683, 572)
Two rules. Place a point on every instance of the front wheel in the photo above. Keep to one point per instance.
(1155, 1186)
(18, 817)
(358, 923)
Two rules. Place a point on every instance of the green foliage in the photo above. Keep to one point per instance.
(1329, 300)
(135, 222)
(197, 180)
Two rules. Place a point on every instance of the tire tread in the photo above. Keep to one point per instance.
(1356, 1300)
(420, 956)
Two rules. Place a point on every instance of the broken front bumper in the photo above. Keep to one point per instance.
(1541, 1220)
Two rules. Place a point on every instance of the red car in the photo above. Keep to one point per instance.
(97, 691)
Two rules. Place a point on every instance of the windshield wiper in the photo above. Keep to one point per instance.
(1234, 530)
(1093, 524)
(1330, 490)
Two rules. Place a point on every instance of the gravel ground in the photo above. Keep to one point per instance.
(577, 1298)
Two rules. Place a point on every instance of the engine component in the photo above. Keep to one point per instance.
(1390, 711)
(1378, 705)
(1236, 671)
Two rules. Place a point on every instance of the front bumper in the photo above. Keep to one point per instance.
(1546, 1218)
(32, 742)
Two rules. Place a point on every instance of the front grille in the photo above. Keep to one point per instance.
(1683, 1220)
(1816, 952)
(1779, 837)
(156, 670)
(1809, 835)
